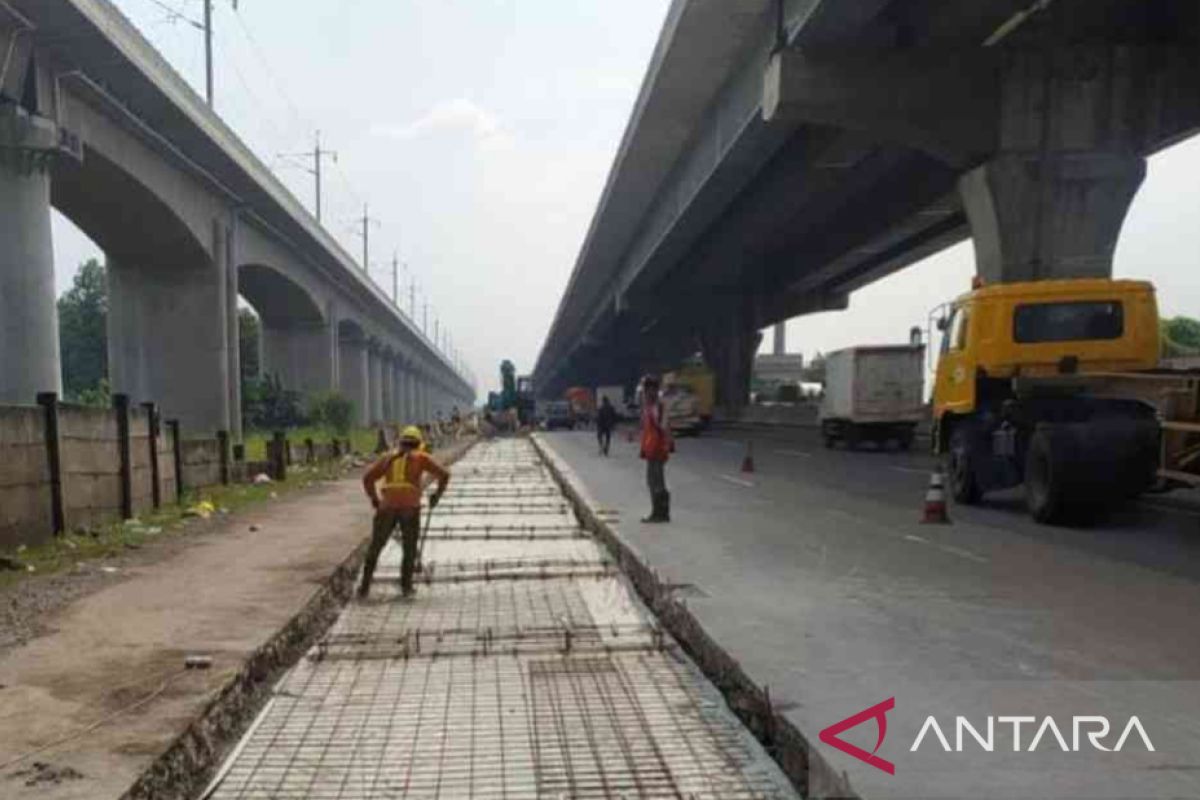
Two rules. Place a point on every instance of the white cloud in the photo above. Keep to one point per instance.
(457, 115)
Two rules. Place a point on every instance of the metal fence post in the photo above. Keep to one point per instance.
(49, 403)
(223, 455)
(279, 456)
(177, 455)
(153, 426)
(121, 406)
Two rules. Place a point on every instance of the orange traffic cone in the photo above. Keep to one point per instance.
(748, 460)
(935, 501)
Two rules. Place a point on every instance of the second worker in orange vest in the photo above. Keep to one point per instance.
(401, 473)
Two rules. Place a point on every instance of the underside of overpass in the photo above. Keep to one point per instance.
(95, 123)
(821, 146)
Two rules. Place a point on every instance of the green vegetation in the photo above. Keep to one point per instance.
(83, 336)
(362, 440)
(1179, 336)
(332, 411)
(64, 552)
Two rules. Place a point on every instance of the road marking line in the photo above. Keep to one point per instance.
(919, 539)
(910, 469)
(958, 551)
(738, 481)
(799, 453)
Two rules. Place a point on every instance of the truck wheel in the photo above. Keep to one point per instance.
(905, 442)
(852, 437)
(1047, 474)
(964, 487)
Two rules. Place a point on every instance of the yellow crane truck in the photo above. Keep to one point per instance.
(1055, 384)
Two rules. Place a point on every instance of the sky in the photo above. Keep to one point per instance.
(480, 133)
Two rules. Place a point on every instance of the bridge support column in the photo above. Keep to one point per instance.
(388, 414)
(1055, 215)
(168, 338)
(301, 356)
(729, 344)
(29, 350)
(374, 385)
(353, 377)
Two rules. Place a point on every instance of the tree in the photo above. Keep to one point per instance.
(83, 332)
(331, 411)
(1180, 336)
(267, 405)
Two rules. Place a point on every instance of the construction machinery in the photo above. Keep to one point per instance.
(1056, 384)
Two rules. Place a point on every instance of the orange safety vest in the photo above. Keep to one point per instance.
(656, 438)
(400, 489)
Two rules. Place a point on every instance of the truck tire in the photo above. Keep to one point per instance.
(1049, 478)
(964, 486)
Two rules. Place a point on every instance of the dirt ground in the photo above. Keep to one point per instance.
(98, 654)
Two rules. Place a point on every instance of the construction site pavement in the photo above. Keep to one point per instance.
(815, 573)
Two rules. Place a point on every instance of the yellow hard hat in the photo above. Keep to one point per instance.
(411, 434)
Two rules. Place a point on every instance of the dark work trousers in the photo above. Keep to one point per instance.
(656, 477)
(604, 437)
(386, 521)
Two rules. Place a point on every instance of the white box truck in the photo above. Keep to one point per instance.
(873, 394)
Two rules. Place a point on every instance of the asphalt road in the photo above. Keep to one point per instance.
(815, 572)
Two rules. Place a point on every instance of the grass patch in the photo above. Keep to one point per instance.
(106, 541)
(362, 440)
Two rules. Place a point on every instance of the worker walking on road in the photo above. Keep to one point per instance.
(401, 472)
(606, 420)
(657, 446)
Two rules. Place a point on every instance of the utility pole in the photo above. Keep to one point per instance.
(317, 155)
(412, 295)
(395, 280)
(425, 318)
(208, 59)
(366, 221)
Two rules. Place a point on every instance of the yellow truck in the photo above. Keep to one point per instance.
(1055, 384)
(697, 380)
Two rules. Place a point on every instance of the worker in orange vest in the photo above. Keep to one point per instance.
(402, 472)
(657, 446)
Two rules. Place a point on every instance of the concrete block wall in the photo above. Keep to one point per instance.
(201, 463)
(91, 466)
(24, 478)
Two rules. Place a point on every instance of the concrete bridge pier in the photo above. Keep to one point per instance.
(388, 379)
(729, 343)
(353, 377)
(302, 356)
(29, 350)
(1051, 202)
(374, 384)
(168, 336)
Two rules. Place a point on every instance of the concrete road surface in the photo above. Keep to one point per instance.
(815, 572)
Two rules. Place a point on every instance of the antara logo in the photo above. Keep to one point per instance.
(876, 712)
(1096, 729)
(1046, 733)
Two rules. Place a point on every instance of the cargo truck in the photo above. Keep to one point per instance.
(873, 394)
(1056, 385)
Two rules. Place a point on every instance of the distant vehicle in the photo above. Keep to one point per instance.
(683, 408)
(583, 404)
(558, 414)
(873, 394)
(700, 379)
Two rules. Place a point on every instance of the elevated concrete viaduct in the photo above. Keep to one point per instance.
(96, 124)
(783, 153)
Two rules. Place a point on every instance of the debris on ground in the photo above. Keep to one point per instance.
(41, 772)
(262, 478)
(254, 529)
(197, 662)
(12, 564)
(204, 509)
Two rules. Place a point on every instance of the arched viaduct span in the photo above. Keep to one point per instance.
(782, 153)
(96, 124)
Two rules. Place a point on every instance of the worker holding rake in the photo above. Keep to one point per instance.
(400, 475)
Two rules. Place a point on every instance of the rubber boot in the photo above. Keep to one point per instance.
(656, 508)
(665, 507)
